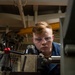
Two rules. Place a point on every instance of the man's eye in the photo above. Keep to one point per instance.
(38, 39)
(47, 38)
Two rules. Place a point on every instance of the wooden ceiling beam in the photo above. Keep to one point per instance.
(36, 2)
(21, 12)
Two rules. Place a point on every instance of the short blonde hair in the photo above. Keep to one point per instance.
(40, 27)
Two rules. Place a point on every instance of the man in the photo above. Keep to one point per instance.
(43, 41)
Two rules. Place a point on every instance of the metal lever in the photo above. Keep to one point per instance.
(70, 50)
(53, 59)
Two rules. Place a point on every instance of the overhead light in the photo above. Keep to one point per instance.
(59, 11)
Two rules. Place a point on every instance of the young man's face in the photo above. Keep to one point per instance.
(43, 41)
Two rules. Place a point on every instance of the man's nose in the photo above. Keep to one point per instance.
(43, 41)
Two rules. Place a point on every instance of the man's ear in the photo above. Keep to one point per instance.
(53, 36)
(33, 39)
